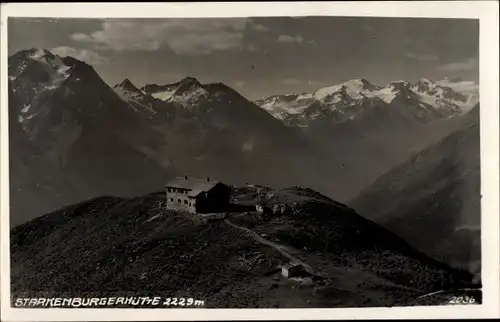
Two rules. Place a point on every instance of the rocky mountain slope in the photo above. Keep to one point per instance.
(73, 138)
(423, 101)
(364, 130)
(437, 190)
(111, 246)
(209, 125)
(469, 89)
(88, 139)
(76, 133)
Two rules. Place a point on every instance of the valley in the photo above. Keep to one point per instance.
(404, 155)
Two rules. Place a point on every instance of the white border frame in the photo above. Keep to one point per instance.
(485, 11)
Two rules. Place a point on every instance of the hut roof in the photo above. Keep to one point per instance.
(195, 186)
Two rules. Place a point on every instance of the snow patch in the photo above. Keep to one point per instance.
(323, 92)
(355, 88)
(188, 98)
(26, 108)
(124, 94)
(50, 87)
(38, 54)
(282, 109)
(164, 95)
(133, 97)
(386, 94)
(469, 89)
(304, 97)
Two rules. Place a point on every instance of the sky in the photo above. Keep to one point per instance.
(260, 56)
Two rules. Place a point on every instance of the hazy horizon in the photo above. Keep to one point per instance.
(260, 56)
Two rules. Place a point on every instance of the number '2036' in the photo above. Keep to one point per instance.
(462, 300)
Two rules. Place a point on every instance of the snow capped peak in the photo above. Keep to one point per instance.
(325, 91)
(41, 68)
(399, 83)
(134, 97)
(399, 86)
(188, 83)
(44, 56)
(425, 81)
(423, 85)
(353, 88)
(468, 89)
(425, 98)
(126, 84)
(189, 80)
(128, 91)
(43, 59)
(185, 92)
(39, 54)
(358, 82)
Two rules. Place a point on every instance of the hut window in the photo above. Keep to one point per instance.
(172, 199)
(178, 201)
(185, 202)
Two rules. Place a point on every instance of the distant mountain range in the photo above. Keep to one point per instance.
(87, 139)
(423, 101)
(364, 130)
(73, 137)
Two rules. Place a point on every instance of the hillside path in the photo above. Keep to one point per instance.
(343, 273)
(285, 251)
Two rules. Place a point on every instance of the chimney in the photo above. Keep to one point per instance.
(208, 179)
(185, 177)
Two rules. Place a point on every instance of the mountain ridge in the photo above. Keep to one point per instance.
(438, 186)
(429, 99)
(73, 137)
(80, 126)
(134, 236)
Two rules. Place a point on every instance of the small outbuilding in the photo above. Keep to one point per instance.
(292, 270)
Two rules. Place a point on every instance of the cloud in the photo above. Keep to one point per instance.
(316, 83)
(88, 56)
(468, 64)
(292, 81)
(422, 57)
(259, 27)
(251, 48)
(80, 37)
(184, 36)
(239, 84)
(296, 81)
(290, 39)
